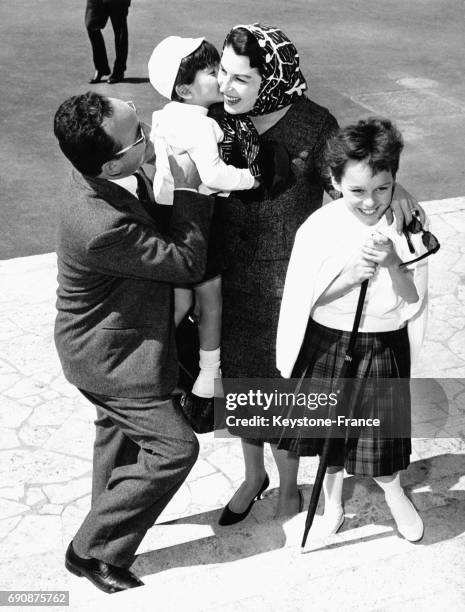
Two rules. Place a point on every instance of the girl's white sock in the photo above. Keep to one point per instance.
(332, 487)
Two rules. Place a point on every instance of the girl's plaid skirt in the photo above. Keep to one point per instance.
(380, 355)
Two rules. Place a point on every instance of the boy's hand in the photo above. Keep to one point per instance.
(184, 171)
(380, 250)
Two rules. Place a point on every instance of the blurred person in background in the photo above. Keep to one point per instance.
(97, 14)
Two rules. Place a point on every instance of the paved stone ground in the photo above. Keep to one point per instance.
(187, 561)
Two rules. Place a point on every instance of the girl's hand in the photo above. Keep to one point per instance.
(358, 269)
(379, 249)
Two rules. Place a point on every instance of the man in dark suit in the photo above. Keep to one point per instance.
(114, 329)
(97, 14)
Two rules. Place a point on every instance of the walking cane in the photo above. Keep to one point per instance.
(316, 491)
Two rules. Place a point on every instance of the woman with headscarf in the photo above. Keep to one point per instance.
(266, 110)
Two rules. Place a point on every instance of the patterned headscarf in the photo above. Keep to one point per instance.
(282, 84)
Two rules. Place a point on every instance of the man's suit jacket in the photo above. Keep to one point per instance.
(114, 331)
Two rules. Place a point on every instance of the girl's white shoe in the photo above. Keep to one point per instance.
(409, 522)
(330, 523)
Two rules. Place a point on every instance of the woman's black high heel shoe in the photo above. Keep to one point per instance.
(228, 517)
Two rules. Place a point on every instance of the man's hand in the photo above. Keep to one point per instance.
(184, 171)
(402, 205)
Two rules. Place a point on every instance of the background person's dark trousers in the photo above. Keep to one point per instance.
(97, 14)
(143, 451)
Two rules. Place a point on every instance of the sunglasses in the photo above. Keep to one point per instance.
(430, 241)
(140, 133)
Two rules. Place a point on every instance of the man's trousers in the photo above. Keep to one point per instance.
(143, 451)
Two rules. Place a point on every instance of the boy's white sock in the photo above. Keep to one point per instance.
(209, 370)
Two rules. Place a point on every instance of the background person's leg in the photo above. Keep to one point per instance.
(119, 21)
(95, 19)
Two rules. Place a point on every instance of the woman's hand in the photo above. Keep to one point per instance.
(402, 205)
(380, 250)
(301, 160)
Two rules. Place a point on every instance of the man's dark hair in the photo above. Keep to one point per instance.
(78, 127)
(375, 140)
(244, 42)
(204, 56)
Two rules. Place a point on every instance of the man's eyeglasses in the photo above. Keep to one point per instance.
(429, 240)
(140, 137)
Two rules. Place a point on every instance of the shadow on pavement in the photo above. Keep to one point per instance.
(135, 80)
(433, 485)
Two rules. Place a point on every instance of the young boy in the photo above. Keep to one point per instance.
(184, 70)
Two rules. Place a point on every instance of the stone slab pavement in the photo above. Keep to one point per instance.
(187, 561)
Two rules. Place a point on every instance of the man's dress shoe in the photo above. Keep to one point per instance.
(97, 78)
(106, 577)
(115, 78)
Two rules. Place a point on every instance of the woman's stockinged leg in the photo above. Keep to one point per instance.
(288, 467)
(255, 475)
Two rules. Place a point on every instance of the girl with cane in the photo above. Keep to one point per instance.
(341, 245)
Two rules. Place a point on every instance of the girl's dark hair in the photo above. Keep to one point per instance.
(204, 56)
(244, 42)
(78, 128)
(375, 140)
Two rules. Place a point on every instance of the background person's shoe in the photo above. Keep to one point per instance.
(115, 78)
(104, 576)
(97, 78)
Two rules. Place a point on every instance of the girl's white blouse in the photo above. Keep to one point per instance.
(322, 246)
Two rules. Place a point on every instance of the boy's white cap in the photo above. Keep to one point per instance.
(165, 61)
